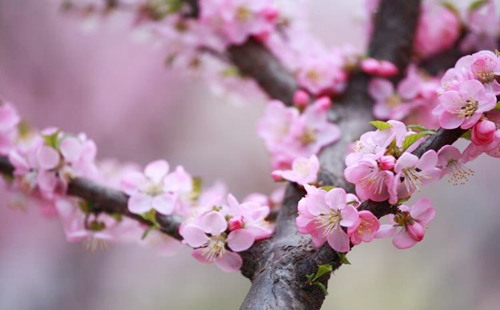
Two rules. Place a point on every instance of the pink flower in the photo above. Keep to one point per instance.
(324, 214)
(207, 234)
(9, 119)
(304, 171)
(438, 29)
(236, 20)
(366, 229)
(451, 162)
(301, 98)
(465, 106)
(371, 182)
(322, 74)
(482, 24)
(412, 222)
(155, 189)
(251, 216)
(412, 173)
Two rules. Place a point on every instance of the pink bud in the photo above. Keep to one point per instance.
(387, 69)
(277, 175)
(270, 13)
(324, 103)
(416, 231)
(235, 223)
(301, 98)
(387, 162)
(370, 66)
(483, 132)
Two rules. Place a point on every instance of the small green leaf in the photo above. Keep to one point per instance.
(380, 125)
(230, 72)
(85, 206)
(410, 139)
(403, 200)
(450, 6)
(467, 135)
(343, 258)
(117, 216)
(477, 4)
(322, 270)
(52, 140)
(327, 188)
(146, 232)
(197, 187)
(417, 128)
(498, 105)
(151, 216)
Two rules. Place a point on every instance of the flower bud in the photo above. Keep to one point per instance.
(235, 223)
(387, 162)
(416, 231)
(301, 98)
(483, 132)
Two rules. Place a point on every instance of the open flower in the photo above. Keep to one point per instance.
(411, 222)
(324, 215)
(304, 171)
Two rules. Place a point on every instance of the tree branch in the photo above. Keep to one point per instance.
(107, 200)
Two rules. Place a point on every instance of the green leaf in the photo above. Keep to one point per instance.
(322, 270)
(146, 232)
(450, 6)
(417, 128)
(197, 187)
(52, 140)
(327, 188)
(498, 105)
(380, 125)
(343, 258)
(403, 200)
(467, 135)
(151, 216)
(230, 72)
(477, 4)
(409, 140)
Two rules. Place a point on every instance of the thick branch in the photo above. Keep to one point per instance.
(106, 199)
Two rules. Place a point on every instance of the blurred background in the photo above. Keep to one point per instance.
(119, 92)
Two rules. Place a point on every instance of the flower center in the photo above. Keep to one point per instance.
(412, 179)
(243, 14)
(215, 248)
(469, 108)
(374, 182)
(313, 75)
(309, 136)
(403, 218)
(393, 101)
(459, 173)
(329, 222)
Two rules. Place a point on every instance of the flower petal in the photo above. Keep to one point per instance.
(229, 262)
(240, 240)
(213, 223)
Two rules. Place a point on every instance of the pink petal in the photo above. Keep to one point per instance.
(403, 240)
(339, 240)
(213, 223)
(157, 170)
(71, 148)
(406, 160)
(423, 211)
(229, 262)
(240, 240)
(380, 89)
(350, 216)
(336, 198)
(139, 203)
(164, 203)
(428, 160)
(48, 158)
(194, 236)
(386, 231)
(198, 254)
(450, 121)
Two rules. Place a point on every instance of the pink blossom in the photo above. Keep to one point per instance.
(207, 234)
(412, 173)
(236, 20)
(304, 171)
(411, 221)
(465, 106)
(323, 215)
(366, 229)
(322, 74)
(9, 119)
(451, 162)
(301, 98)
(438, 29)
(482, 24)
(155, 189)
(251, 215)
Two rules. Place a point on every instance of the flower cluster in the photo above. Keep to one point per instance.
(218, 232)
(46, 162)
(382, 167)
(326, 214)
(289, 133)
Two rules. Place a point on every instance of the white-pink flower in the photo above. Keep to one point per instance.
(451, 162)
(323, 215)
(411, 222)
(9, 119)
(366, 229)
(155, 189)
(207, 234)
(304, 171)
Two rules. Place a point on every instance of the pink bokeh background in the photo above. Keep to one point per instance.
(118, 91)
